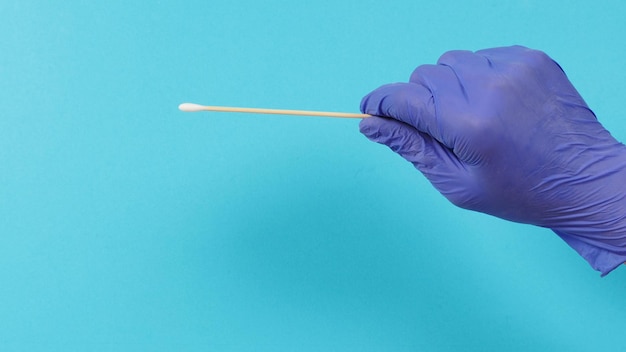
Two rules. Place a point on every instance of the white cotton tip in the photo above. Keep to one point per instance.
(190, 107)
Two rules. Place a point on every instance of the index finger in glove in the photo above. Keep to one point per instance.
(410, 103)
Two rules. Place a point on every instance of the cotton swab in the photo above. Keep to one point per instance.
(190, 107)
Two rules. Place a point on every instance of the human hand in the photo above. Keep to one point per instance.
(503, 131)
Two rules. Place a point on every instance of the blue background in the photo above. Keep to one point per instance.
(128, 225)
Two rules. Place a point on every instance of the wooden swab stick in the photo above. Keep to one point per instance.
(190, 107)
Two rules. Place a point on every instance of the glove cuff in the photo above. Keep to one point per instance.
(602, 256)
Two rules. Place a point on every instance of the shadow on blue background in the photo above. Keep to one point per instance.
(128, 225)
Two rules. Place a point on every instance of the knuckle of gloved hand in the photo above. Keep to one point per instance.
(453, 57)
(535, 60)
(423, 73)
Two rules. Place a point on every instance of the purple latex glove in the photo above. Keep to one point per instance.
(502, 131)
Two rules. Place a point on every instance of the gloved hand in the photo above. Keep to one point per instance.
(502, 131)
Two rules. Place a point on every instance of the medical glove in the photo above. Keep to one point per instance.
(503, 131)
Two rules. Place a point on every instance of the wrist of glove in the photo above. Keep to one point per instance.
(594, 223)
(503, 131)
